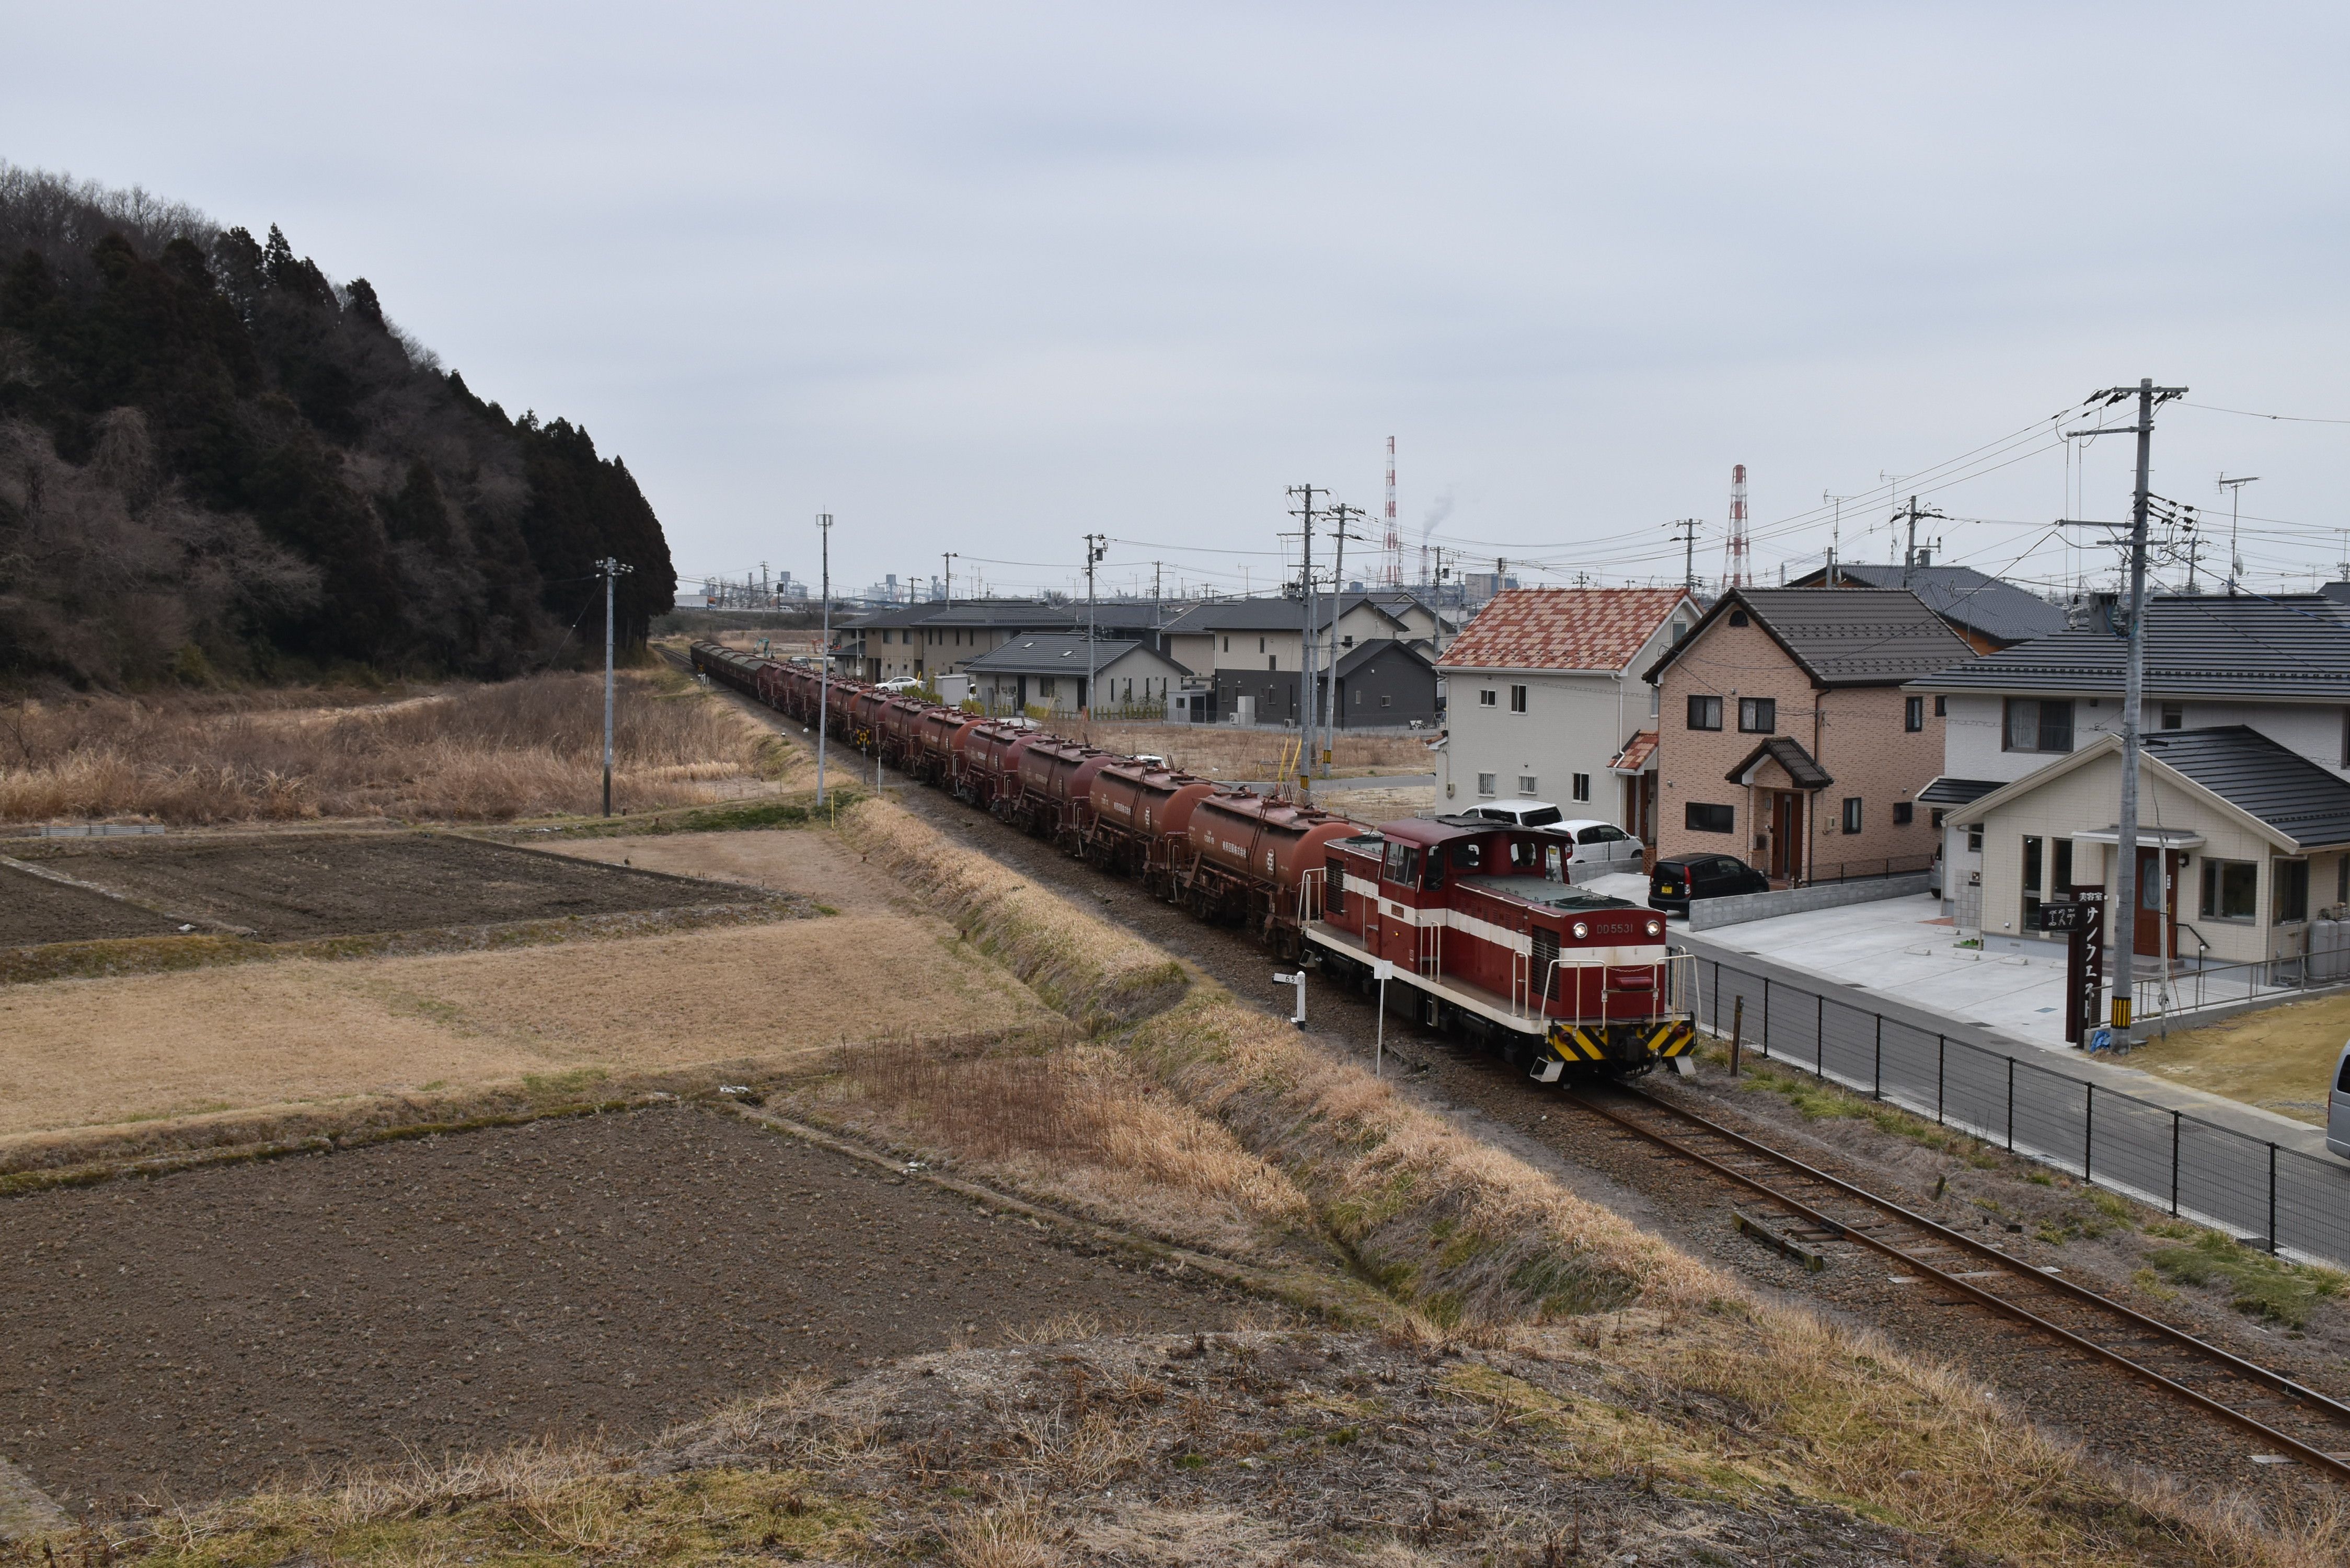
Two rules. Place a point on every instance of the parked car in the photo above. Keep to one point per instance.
(1602, 844)
(2337, 1109)
(898, 683)
(1675, 883)
(1522, 812)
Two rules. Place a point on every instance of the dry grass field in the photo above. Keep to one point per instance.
(465, 751)
(1228, 751)
(81, 1054)
(2279, 1058)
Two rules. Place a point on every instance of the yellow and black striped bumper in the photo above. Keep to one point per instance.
(1620, 1045)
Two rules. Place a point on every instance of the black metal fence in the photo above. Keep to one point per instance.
(1868, 870)
(2280, 1198)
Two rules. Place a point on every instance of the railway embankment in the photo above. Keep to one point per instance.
(1477, 1247)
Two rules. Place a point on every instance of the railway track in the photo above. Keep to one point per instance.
(1820, 1210)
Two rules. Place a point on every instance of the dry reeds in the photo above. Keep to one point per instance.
(468, 753)
(1230, 751)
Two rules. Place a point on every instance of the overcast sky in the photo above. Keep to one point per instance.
(987, 278)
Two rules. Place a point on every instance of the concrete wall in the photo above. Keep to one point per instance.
(1705, 914)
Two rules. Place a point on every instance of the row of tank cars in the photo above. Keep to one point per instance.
(1473, 925)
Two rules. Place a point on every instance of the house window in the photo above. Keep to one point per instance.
(1044, 686)
(2174, 715)
(1738, 618)
(1913, 714)
(1517, 699)
(1228, 644)
(1485, 783)
(1656, 700)
(1705, 712)
(2033, 846)
(1758, 715)
(2033, 725)
(1938, 817)
(1942, 707)
(1260, 645)
(1387, 699)
(2231, 889)
(1903, 813)
(1708, 818)
(1487, 699)
(1582, 786)
(1681, 630)
(1975, 841)
(1526, 784)
(2062, 881)
(1852, 813)
(1273, 661)
(2342, 881)
(2292, 892)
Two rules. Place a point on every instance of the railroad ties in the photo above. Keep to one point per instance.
(1812, 1208)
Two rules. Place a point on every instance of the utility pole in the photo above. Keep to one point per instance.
(1307, 691)
(824, 656)
(611, 570)
(1910, 556)
(1342, 512)
(1687, 539)
(1835, 532)
(2121, 914)
(2235, 489)
(1096, 547)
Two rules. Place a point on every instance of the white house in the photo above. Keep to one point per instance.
(2017, 801)
(1544, 699)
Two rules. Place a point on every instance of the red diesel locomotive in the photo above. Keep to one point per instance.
(1472, 921)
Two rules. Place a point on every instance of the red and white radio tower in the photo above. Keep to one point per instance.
(1392, 569)
(1734, 574)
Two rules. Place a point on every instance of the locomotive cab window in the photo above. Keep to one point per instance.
(1469, 858)
(1402, 864)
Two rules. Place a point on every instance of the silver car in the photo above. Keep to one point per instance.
(1602, 844)
(2337, 1107)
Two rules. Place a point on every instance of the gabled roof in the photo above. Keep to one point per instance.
(1789, 753)
(1639, 753)
(1987, 606)
(1362, 653)
(1269, 613)
(1563, 629)
(1841, 636)
(2301, 804)
(1053, 654)
(2197, 645)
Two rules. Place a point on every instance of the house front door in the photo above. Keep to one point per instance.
(2146, 938)
(1787, 835)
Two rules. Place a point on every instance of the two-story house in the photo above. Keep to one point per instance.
(1544, 701)
(2244, 781)
(1253, 653)
(934, 637)
(1785, 737)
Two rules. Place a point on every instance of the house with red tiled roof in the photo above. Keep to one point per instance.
(1544, 701)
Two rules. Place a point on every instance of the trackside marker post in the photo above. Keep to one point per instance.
(1381, 969)
(1298, 979)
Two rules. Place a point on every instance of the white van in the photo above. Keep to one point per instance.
(2337, 1107)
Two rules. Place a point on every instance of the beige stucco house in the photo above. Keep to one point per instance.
(1784, 737)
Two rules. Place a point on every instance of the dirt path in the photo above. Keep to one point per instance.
(202, 1332)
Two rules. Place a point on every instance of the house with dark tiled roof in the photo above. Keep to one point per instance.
(2023, 816)
(1785, 737)
(1251, 652)
(1544, 700)
(1990, 612)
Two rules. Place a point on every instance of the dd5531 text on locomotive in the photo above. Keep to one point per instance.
(1474, 923)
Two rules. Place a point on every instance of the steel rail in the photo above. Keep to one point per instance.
(2318, 1458)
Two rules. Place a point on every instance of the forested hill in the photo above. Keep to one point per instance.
(216, 462)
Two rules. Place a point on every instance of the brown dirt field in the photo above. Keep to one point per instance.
(2278, 1058)
(34, 909)
(207, 1332)
(1378, 806)
(283, 886)
(1228, 751)
(85, 1054)
(89, 1054)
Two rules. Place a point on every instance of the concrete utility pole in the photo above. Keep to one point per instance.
(2121, 915)
(1096, 547)
(1307, 691)
(1342, 512)
(611, 570)
(824, 656)
(1687, 539)
(1910, 556)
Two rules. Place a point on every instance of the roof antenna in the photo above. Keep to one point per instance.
(2235, 487)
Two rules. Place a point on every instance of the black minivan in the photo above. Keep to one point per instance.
(1675, 882)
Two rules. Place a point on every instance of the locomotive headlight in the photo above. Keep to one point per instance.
(1581, 930)
(1656, 927)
